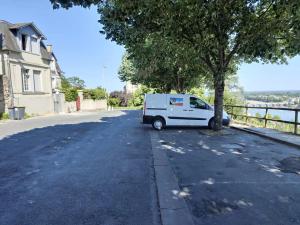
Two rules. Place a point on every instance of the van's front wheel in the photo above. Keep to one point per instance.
(158, 123)
(211, 123)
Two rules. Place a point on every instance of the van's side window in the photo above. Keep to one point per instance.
(197, 103)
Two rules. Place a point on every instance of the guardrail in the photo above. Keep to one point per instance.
(265, 118)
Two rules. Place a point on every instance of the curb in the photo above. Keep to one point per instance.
(173, 208)
(266, 136)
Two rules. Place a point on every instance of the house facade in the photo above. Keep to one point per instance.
(29, 73)
(130, 88)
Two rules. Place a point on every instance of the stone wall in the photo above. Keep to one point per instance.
(70, 107)
(4, 93)
(90, 104)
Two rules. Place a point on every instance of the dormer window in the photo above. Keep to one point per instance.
(24, 42)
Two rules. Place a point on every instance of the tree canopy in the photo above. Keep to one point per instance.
(221, 33)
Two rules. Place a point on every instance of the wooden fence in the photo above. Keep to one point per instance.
(230, 110)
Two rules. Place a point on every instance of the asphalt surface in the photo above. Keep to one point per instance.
(234, 177)
(91, 169)
(98, 168)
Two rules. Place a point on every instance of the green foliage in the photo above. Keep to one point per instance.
(137, 98)
(65, 83)
(114, 102)
(76, 82)
(199, 92)
(71, 94)
(27, 116)
(98, 93)
(122, 96)
(4, 116)
(220, 34)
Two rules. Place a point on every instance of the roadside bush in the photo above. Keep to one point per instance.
(4, 116)
(95, 94)
(115, 102)
(137, 98)
(70, 94)
(122, 96)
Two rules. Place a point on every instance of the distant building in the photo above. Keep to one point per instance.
(29, 72)
(130, 88)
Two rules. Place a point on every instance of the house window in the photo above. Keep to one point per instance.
(24, 42)
(26, 76)
(37, 81)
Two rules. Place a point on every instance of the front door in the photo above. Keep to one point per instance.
(199, 112)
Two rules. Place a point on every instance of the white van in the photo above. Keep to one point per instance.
(163, 110)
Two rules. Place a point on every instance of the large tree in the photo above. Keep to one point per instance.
(161, 64)
(222, 32)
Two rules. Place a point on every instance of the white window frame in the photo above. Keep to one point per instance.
(25, 79)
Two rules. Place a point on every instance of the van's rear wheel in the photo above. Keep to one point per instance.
(158, 123)
(211, 123)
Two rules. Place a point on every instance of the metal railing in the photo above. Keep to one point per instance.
(230, 110)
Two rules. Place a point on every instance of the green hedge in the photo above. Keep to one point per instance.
(95, 94)
(71, 94)
(114, 102)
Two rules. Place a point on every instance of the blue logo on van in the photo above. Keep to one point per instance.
(176, 101)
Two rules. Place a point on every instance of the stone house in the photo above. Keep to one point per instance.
(29, 72)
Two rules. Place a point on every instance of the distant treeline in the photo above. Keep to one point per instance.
(272, 96)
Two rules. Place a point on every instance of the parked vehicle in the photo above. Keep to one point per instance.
(163, 110)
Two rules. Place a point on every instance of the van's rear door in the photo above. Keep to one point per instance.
(156, 102)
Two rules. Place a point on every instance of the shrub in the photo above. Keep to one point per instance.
(122, 96)
(4, 116)
(137, 98)
(70, 94)
(115, 102)
(95, 94)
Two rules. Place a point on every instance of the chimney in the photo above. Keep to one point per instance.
(49, 48)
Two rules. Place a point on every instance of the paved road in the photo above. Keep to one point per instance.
(84, 171)
(235, 177)
(97, 168)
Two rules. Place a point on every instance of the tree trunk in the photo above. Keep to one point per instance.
(219, 96)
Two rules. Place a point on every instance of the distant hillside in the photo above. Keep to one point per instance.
(289, 93)
(292, 96)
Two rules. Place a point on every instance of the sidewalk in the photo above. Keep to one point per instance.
(285, 138)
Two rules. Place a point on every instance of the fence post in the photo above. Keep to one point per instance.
(266, 116)
(296, 122)
(246, 113)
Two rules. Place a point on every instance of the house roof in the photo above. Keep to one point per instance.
(8, 40)
(31, 24)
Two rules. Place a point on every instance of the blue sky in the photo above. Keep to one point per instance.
(82, 51)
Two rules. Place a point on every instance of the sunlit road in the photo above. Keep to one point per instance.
(90, 172)
(105, 169)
